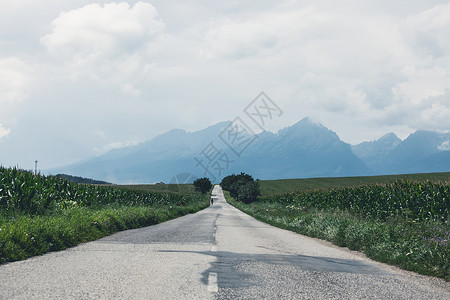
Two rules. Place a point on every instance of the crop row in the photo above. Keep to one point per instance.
(413, 200)
(22, 191)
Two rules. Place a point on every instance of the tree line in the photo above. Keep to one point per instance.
(242, 187)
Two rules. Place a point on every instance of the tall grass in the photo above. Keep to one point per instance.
(275, 187)
(22, 191)
(413, 200)
(401, 223)
(40, 214)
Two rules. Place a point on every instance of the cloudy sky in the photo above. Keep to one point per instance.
(79, 77)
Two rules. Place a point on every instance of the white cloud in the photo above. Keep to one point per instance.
(129, 89)
(429, 31)
(110, 144)
(238, 40)
(264, 34)
(14, 79)
(3, 131)
(95, 30)
(423, 97)
(358, 63)
(102, 42)
(423, 83)
(115, 145)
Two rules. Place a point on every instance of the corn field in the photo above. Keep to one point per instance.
(22, 191)
(412, 200)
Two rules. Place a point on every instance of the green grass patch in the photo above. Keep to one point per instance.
(413, 200)
(403, 223)
(24, 236)
(420, 247)
(40, 214)
(274, 187)
(180, 189)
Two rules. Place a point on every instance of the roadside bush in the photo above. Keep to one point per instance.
(202, 185)
(248, 192)
(242, 187)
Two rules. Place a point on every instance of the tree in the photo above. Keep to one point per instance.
(202, 185)
(242, 187)
(248, 192)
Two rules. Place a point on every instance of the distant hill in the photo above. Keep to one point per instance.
(421, 152)
(372, 153)
(303, 150)
(78, 179)
(158, 160)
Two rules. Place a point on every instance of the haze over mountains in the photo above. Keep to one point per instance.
(305, 149)
(421, 152)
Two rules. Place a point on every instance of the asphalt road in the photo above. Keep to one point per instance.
(218, 253)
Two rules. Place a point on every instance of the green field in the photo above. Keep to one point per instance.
(40, 214)
(401, 220)
(273, 187)
(180, 189)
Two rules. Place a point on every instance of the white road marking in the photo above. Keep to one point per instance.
(212, 283)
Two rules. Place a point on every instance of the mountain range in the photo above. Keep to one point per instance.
(303, 150)
(421, 152)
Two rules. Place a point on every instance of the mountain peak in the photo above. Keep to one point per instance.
(305, 149)
(388, 141)
(309, 128)
(304, 125)
(215, 128)
(389, 137)
(308, 121)
(169, 136)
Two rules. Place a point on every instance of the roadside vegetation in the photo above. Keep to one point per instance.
(171, 188)
(78, 179)
(203, 185)
(275, 187)
(403, 223)
(40, 214)
(242, 187)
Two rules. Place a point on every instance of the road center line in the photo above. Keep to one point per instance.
(212, 283)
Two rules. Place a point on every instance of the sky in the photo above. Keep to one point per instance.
(79, 77)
